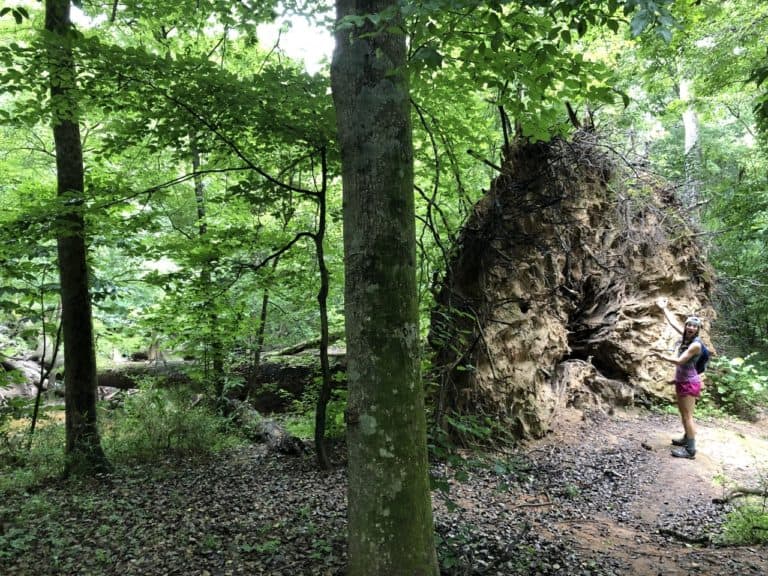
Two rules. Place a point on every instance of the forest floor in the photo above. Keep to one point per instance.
(601, 496)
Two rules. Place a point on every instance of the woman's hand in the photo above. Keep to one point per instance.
(662, 303)
(661, 355)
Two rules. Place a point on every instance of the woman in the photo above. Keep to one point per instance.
(687, 379)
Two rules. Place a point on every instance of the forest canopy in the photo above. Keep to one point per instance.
(198, 232)
(159, 87)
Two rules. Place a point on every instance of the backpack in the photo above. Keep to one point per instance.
(703, 359)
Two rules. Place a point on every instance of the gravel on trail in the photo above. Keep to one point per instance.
(601, 496)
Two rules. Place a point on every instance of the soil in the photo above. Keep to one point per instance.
(600, 496)
(605, 496)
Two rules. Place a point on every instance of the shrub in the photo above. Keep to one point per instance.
(301, 420)
(738, 385)
(20, 467)
(156, 422)
(747, 525)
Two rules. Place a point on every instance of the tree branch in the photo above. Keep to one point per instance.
(169, 183)
(222, 137)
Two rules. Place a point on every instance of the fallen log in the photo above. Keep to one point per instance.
(269, 432)
(126, 375)
(305, 345)
(282, 379)
(279, 439)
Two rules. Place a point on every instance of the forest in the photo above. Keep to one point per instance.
(401, 308)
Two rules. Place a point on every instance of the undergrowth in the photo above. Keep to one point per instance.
(300, 420)
(150, 425)
(157, 422)
(735, 386)
(747, 525)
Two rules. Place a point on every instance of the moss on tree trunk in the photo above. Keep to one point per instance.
(390, 513)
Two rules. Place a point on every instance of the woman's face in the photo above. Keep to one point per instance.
(691, 329)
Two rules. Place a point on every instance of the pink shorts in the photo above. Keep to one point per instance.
(688, 388)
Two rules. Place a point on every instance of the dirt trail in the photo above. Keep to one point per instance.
(673, 506)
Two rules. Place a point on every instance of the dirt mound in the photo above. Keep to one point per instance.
(548, 300)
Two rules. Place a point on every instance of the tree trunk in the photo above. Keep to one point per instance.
(322, 301)
(258, 349)
(83, 447)
(45, 373)
(389, 504)
(692, 148)
(213, 340)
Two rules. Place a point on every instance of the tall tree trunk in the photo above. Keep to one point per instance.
(322, 300)
(83, 447)
(390, 512)
(213, 340)
(692, 150)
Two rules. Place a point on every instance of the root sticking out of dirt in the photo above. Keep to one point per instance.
(548, 298)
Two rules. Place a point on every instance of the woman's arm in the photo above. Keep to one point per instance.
(662, 303)
(691, 352)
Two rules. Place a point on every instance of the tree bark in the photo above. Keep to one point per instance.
(389, 504)
(326, 385)
(83, 446)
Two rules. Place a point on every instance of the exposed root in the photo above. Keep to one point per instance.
(704, 540)
(741, 492)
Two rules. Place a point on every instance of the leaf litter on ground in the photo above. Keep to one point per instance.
(590, 499)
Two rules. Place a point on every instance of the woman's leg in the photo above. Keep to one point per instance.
(686, 405)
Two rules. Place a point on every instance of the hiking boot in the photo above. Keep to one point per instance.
(684, 452)
(688, 450)
(680, 441)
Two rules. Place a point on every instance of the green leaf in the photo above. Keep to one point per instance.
(582, 28)
(759, 75)
(665, 33)
(493, 22)
(639, 22)
(497, 41)
(625, 99)
(429, 56)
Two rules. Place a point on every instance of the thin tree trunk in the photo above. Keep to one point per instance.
(83, 446)
(217, 349)
(260, 334)
(44, 374)
(692, 148)
(287, 214)
(322, 299)
(389, 505)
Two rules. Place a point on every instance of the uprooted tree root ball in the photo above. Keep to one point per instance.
(549, 297)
